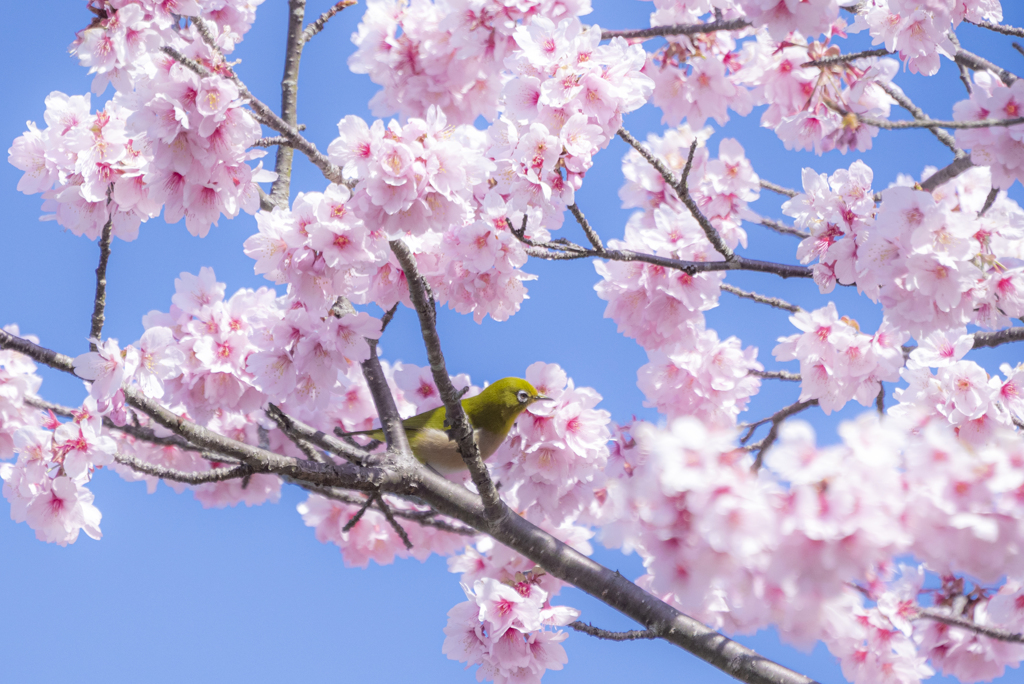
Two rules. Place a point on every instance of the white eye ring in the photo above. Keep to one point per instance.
(523, 396)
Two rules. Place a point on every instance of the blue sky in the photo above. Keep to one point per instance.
(174, 592)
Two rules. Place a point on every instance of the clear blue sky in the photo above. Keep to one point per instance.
(174, 593)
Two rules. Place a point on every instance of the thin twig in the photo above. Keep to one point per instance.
(782, 228)
(880, 399)
(631, 635)
(777, 375)
(676, 30)
(100, 301)
(318, 25)
(990, 199)
(788, 192)
(268, 118)
(399, 530)
(931, 123)
(761, 299)
(839, 59)
(426, 518)
(970, 625)
(918, 113)
(359, 514)
(998, 28)
(284, 424)
(776, 420)
(193, 478)
(681, 190)
(592, 235)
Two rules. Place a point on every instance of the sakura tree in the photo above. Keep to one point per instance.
(897, 542)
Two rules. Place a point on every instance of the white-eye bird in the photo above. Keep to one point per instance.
(492, 413)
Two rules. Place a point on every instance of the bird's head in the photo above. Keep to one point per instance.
(499, 404)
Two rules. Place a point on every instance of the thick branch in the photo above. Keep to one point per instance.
(260, 460)
(456, 501)
(280, 191)
(676, 30)
(100, 300)
(994, 339)
(459, 428)
(947, 173)
(976, 63)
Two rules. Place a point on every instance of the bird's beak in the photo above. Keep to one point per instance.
(541, 397)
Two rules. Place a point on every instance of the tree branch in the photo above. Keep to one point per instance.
(455, 501)
(260, 460)
(631, 635)
(788, 192)
(918, 113)
(782, 228)
(268, 118)
(100, 300)
(994, 339)
(455, 417)
(777, 375)
(592, 235)
(676, 30)
(280, 191)
(947, 173)
(976, 63)
(998, 28)
(842, 59)
(970, 625)
(761, 299)
(318, 25)
(776, 420)
(194, 478)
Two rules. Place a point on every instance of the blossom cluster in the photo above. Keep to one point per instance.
(447, 53)
(564, 103)
(932, 259)
(691, 371)
(918, 30)
(960, 391)
(503, 624)
(998, 147)
(170, 138)
(553, 461)
(414, 177)
(838, 362)
(46, 484)
(788, 544)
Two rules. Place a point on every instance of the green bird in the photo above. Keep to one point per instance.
(492, 413)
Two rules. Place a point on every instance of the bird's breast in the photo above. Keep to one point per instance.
(435, 449)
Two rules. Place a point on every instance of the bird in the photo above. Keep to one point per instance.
(492, 413)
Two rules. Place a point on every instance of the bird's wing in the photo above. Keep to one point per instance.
(432, 419)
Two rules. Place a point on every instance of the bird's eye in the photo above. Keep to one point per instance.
(523, 396)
